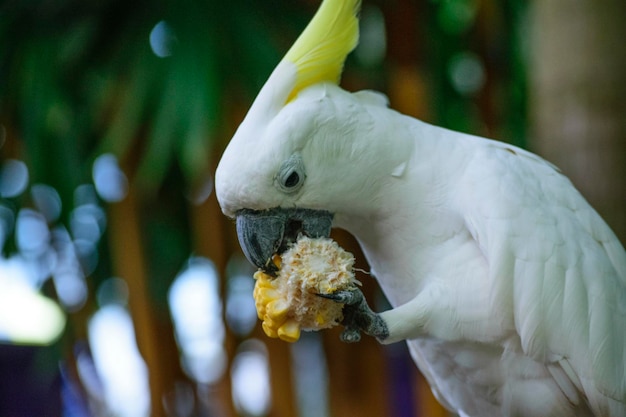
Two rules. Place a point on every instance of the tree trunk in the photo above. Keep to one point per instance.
(578, 98)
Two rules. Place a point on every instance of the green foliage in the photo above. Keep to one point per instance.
(79, 79)
(478, 66)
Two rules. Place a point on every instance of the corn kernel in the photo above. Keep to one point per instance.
(275, 324)
(267, 294)
(277, 261)
(289, 331)
(277, 310)
(271, 332)
(264, 283)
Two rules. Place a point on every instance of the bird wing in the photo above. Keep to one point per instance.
(559, 272)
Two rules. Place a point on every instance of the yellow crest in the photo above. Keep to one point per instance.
(321, 50)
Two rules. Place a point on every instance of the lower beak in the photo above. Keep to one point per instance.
(265, 233)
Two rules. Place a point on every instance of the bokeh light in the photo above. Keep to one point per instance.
(250, 376)
(241, 313)
(467, 73)
(310, 375)
(110, 182)
(26, 317)
(196, 309)
(13, 178)
(47, 201)
(113, 291)
(87, 222)
(162, 39)
(69, 279)
(119, 364)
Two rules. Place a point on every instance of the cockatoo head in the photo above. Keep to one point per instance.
(287, 169)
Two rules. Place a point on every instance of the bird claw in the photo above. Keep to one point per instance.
(350, 335)
(357, 316)
(347, 297)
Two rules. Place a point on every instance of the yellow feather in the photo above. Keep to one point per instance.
(321, 50)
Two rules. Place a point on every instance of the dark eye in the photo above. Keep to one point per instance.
(292, 180)
(291, 175)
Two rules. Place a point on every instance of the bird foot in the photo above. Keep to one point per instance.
(358, 316)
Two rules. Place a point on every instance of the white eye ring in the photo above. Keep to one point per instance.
(291, 175)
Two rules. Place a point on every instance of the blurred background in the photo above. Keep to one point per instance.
(123, 291)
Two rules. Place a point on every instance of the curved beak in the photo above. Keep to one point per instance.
(263, 233)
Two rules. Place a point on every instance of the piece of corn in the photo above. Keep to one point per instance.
(289, 302)
(289, 331)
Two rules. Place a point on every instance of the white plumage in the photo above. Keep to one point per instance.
(508, 287)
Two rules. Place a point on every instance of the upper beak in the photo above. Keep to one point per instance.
(264, 233)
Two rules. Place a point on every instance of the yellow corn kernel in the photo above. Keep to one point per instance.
(258, 275)
(277, 310)
(289, 331)
(277, 260)
(265, 295)
(274, 324)
(270, 331)
(264, 282)
(260, 306)
(260, 310)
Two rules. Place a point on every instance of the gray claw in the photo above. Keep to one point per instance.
(350, 335)
(348, 297)
(357, 316)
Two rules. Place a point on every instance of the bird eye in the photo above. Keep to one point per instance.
(291, 174)
(292, 180)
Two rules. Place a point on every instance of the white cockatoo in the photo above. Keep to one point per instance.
(509, 289)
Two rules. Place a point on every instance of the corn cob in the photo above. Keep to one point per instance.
(289, 303)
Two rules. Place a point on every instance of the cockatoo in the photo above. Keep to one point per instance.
(509, 289)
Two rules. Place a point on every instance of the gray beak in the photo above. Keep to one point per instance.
(264, 233)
